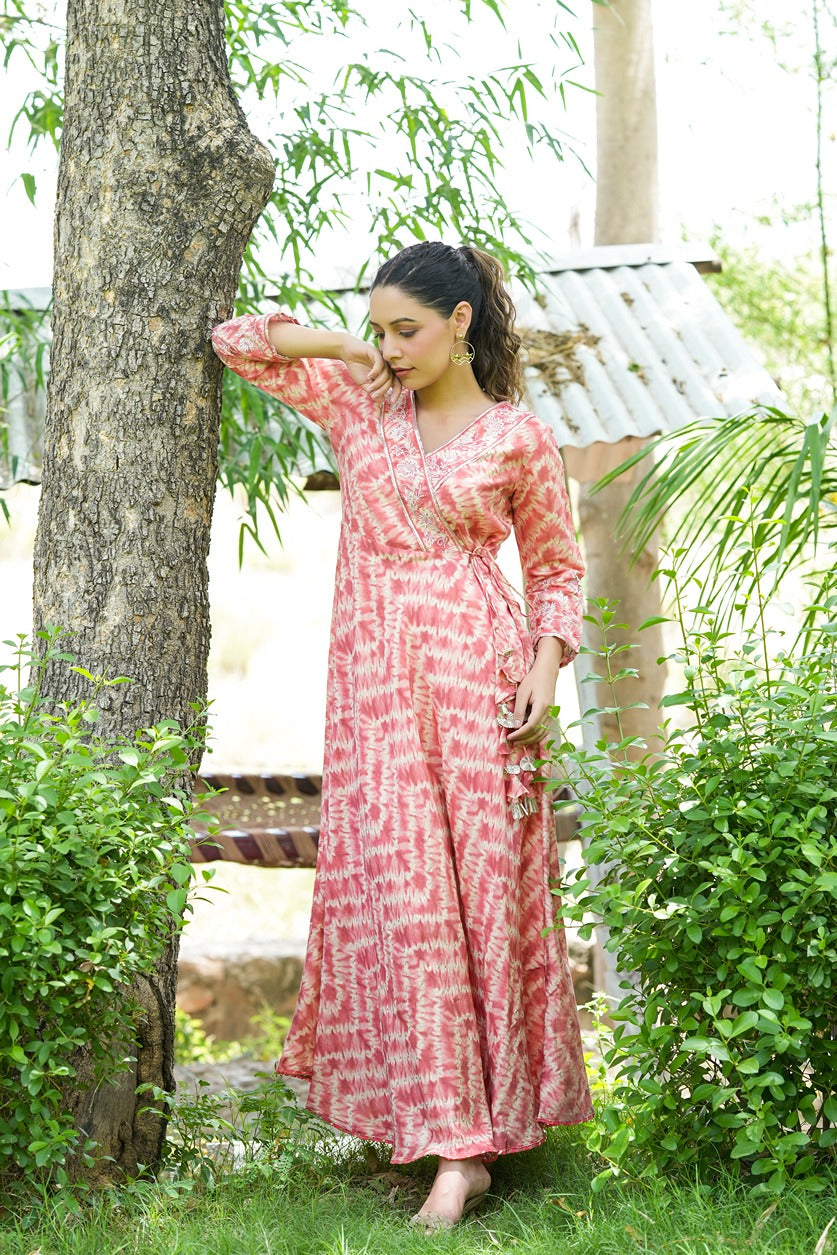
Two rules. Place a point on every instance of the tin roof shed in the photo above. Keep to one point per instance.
(628, 342)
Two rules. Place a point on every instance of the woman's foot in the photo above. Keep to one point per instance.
(459, 1185)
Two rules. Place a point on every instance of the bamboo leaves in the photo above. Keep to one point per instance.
(389, 146)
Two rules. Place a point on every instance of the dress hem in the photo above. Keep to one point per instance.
(489, 1153)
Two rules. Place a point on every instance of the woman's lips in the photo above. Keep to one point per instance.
(401, 370)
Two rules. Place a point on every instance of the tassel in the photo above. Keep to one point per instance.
(505, 717)
(521, 800)
(521, 807)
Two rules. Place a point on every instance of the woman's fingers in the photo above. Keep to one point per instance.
(529, 734)
(523, 702)
(378, 372)
(378, 380)
(366, 366)
(533, 715)
(381, 380)
(369, 370)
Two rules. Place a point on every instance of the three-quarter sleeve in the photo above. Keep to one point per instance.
(319, 388)
(550, 558)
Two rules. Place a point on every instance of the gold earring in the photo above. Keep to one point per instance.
(461, 353)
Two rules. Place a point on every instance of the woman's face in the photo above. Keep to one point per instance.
(415, 340)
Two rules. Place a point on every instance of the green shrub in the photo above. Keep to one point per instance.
(258, 1132)
(192, 1044)
(93, 878)
(269, 1032)
(717, 883)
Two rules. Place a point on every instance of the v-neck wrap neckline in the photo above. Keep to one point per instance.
(428, 453)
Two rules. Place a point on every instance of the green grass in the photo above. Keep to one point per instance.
(541, 1204)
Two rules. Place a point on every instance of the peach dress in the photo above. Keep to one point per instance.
(434, 1013)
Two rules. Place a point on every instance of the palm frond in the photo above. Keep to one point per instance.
(756, 492)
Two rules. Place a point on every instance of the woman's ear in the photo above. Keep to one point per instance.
(461, 319)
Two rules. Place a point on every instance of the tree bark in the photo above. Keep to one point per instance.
(627, 182)
(160, 184)
(626, 212)
(627, 198)
(638, 599)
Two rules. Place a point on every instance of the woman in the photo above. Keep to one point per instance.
(433, 1013)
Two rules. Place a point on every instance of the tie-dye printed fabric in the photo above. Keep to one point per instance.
(433, 1014)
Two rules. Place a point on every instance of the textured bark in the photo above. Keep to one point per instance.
(626, 212)
(128, 1130)
(609, 574)
(160, 183)
(627, 197)
(627, 182)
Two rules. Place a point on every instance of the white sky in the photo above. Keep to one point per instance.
(736, 131)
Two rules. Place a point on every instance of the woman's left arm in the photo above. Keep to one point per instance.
(552, 571)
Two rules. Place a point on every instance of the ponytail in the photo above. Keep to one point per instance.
(496, 343)
(440, 276)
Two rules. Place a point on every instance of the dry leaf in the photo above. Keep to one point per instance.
(562, 1203)
(393, 1178)
(819, 1249)
(764, 1217)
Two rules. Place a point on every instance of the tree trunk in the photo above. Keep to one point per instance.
(626, 212)
(627, 185)
(610, 575)
(627, 196)
(160, 183)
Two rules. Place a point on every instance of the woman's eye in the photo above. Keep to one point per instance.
(406, 333)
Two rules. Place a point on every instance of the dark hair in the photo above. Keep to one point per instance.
(440, 276)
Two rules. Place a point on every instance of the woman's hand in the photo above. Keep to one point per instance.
(368, 368)
(536, 693)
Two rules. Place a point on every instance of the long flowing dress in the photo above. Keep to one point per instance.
(436, 1011)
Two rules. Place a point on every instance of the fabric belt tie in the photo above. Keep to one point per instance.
(514, 655)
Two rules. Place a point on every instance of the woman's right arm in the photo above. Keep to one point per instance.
(317, 372)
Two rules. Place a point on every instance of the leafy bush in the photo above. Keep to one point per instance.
(269, 1032)
(714, 870)
(93, 878)
(192, 1044)
(260, 1131)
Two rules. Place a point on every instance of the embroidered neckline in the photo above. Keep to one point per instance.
(439, 447)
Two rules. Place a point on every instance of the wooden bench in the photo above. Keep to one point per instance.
(268, 820)
(264, 819)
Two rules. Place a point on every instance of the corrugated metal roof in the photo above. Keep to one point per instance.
(634, 351)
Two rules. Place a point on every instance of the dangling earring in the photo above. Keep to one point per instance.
(461, 353)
